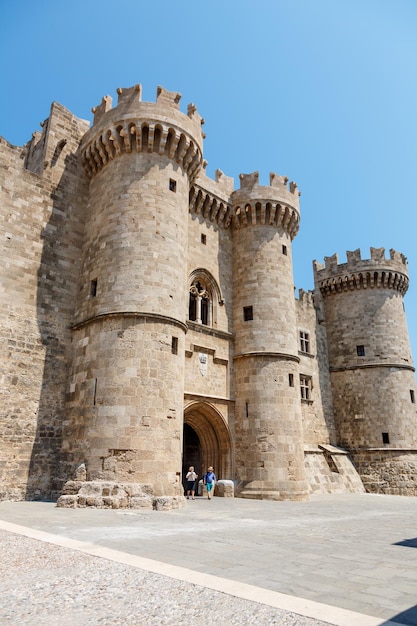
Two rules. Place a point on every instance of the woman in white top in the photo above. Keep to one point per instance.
(191, 478)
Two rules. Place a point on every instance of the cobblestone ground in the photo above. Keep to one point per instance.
(45, 584)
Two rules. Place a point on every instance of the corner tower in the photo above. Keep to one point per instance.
(125, 397)
(371, 369)
(269, 441)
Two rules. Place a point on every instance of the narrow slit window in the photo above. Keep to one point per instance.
(412, 396)
(172, 185)
(204, 311)
(93, 288)
(174, 345)
(291, 380)
(192, 312)
(247, 313)
(385, 437)
(203, 239)
(284, 250)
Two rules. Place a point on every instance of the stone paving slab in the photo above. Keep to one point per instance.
(351, 552)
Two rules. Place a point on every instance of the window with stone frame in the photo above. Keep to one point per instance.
(200, 303)
(305, 387)
(304, 342)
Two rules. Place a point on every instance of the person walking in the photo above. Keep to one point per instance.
(209, 479)
(191, 478)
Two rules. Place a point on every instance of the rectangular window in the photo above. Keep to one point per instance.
(174, 345)
(247, 313)
(304, 342)
(203, 239)
(172, 185)
(93, 288)
(291, 380)
(284, 250)
(412, 396)
(385, 437)
(360, 350)
(305, 387)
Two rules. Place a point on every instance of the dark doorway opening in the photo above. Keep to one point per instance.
(191, 453)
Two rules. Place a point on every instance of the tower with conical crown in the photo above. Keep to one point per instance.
(269, 439)
(371, 368)
(125, 402)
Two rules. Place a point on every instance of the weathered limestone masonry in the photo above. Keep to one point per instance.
(42, 199)
(371, 369)
(127, 380)
(269, 438)
(148, 323)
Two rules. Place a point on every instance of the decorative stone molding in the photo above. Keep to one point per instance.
(210, 207)
(368, 280)
(129, 136)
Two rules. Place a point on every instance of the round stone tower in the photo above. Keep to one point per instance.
(371, 369)
(125, 400)
(269, 441)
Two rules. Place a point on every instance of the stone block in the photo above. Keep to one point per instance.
(71, 487)
(141, 502)
(225, 489)
(67, 502)
(162, 503)
(167, 503)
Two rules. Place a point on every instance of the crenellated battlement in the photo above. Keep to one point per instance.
(305, 297)
(276, 205)
(358, 273)
(134, 126)
(250, 182)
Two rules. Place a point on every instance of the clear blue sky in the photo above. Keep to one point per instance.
(322, 91)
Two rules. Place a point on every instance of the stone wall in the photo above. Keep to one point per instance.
(330, 470)
(317, 412)
(388, 471)
(42, 206)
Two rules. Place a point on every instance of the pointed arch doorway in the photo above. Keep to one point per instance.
(206, 441)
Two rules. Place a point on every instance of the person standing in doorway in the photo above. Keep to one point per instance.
(209, 479)
(191, 478)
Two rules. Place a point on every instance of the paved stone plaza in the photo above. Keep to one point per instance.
(322, 559)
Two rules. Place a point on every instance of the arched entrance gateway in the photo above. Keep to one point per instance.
(206, 441)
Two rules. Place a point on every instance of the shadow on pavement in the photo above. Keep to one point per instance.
(408, 617)
(407, 543)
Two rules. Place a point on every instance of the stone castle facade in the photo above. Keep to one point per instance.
(149, 323)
